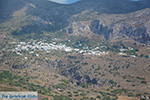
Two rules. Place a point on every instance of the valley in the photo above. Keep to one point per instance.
(88, 50)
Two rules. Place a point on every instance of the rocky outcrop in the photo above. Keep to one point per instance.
(100, 29)
(49, 16)
(137, 33)
(20, 66)
(132, 26)
(84, 79)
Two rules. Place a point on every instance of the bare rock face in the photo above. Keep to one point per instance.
(79, 79)
(20, 66)
(133, 26)
(87, 18)
(99, 29)
(137, 33)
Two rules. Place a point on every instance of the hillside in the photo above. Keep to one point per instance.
(88, 50)
(42, 17)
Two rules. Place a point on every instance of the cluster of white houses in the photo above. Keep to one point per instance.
(33, 46)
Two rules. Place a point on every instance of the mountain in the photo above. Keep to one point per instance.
(114, 26)
(87, 50)
(44, 15)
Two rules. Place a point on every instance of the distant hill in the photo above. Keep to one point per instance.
(44, 15)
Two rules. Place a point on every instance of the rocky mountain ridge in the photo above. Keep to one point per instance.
(88, 50)
(108, 19)
(133, 25)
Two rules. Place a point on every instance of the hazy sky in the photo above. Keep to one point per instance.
(65, 1)
(136, 0)
(72, 1)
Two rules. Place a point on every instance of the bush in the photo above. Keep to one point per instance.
(61, 97)
(98, 96)
(144, 82)
(75, 91)
(70, 95)
(130, 95)
(76, 95)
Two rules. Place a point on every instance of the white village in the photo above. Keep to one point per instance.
(34, 45)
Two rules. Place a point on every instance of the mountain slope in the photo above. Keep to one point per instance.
(114, 26)
(50, 17)
(89, 50)
(45, 16)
